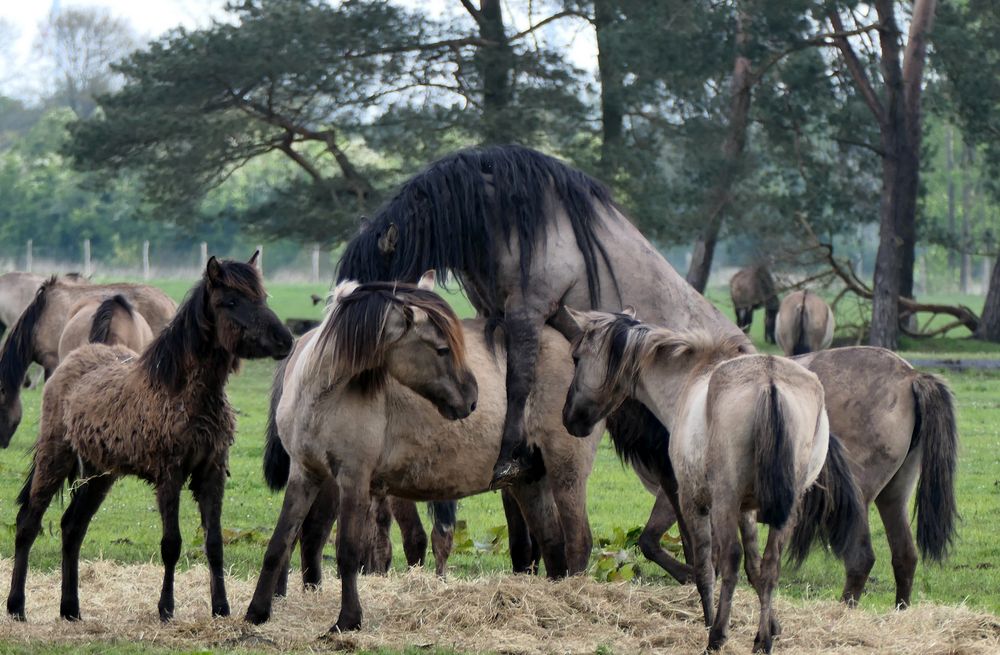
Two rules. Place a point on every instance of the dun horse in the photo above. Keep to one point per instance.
(750, 289)
(162, 416)
(747, 432)
(35, 337)
(112, 321)
(523, 232)
(805, 323)
(409, 450)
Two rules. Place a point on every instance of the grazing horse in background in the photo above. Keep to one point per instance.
(747, 432)
(162, 416)
(36, 335)
(750, 289)
(112, 321)
(805, 323)
(523, 232)
(410, 451)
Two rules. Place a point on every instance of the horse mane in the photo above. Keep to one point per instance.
(188, 336)
(632, 345)
(459, 213)
(350, 346)
(100, 327)
(19, 349)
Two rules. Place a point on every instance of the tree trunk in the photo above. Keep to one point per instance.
(612, 101)
(949, 167)
(966, 271)
(732, 153)
(989, 323)
(495, 63)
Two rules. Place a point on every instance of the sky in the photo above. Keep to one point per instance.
(19, 71)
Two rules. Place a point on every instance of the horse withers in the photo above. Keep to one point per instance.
(747, 433)
(162, 416)
(411, 450)
(805, 323)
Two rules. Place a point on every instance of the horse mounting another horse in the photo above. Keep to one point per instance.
(410, 450)
(37, 333)
(162, 416)
(750, 289)
(747, 432)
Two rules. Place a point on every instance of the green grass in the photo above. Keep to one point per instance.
(127, 528)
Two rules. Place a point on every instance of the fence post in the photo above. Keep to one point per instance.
(260, 259)
(29, 257)
(86, 258)
(145, 260)
(204, 255)
(315, 264)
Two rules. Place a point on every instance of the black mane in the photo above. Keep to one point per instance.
(19, 349)
(188, 337)
(451, 218)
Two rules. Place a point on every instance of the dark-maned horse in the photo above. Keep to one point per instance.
(162, 416)
(750, 289)
(747, 432)
(392, 441)
(524, 233)
(35, 337)
(112, 321)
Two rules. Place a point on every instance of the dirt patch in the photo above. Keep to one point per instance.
(503, 614)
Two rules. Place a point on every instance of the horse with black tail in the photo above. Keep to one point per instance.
(523, 231)
(112, 321)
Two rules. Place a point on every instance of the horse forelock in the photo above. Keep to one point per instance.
(351, 344)
(241, 277)
(458, 213)
(18, 350)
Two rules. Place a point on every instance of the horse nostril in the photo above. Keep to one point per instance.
(472, 407)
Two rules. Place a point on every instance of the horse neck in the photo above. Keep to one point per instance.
(663, 384)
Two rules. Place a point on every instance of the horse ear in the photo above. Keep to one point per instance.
(567, 322)
(629, 311)
(253, 258)
(387, 240)
(398, 323)
(426, 281)
(213, 270)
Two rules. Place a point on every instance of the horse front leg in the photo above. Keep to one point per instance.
(86, 500)
(524, 552)
(522, 328)
(660, 520)
(168, 500)
(725, 522)
(208, 487)
(355, 503)
(700, 536)
(299, 498)
(316, 531)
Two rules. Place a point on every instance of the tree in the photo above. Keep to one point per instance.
(81, 44)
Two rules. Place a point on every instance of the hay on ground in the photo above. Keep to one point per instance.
(503, 614)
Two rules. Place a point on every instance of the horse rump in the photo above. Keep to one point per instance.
(100, 326)
(937, 435)
(832, 508)
(802, 345)
(774, 459)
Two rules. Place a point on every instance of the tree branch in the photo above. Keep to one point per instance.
(420, 47)
(286, 147)
(823, 39)
(473, 11)
(857, 71)
(553, 17)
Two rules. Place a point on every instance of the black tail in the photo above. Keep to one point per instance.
(100, 327)
(832, 509)
(937, 434)
(276, 459)
(774, 460)
(25, 493)
(444, 514)
(802, 346)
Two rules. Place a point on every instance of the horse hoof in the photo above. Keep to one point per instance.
(716, 641)
(346, 624)
(221, 610)
(506, 474)
(70, 611)
(166, 613)
(762, 645)
(257, 616)
(17, 615)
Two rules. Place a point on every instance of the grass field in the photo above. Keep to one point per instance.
(127, 529)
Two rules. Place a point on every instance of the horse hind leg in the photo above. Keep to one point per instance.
(414, 536)
(770, 570)
(209, 488)
(316, 529)
(49, 469)
(892, 503)
(542, 516)
(168, 500)
(86, 500)
(523, 557)
(725, 519)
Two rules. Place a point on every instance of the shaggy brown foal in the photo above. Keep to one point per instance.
(164, 417)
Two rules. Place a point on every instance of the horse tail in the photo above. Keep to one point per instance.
(25, 494)
(936, 433)
(443, 514)
(19, 348)
(831, 510)
(774, 459)
(100, 327)
(802, 345)
(276, 459)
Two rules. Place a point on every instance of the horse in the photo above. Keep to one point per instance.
(805, 323)
(410, 450)
(35, 337)
(162, 416)
(525, 233)
(110, 321)
(750, 288)
(748, 433)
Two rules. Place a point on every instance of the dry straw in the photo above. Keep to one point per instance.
(502, 614)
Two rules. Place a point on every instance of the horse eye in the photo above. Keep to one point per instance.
(443, 351)
(228, 303)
